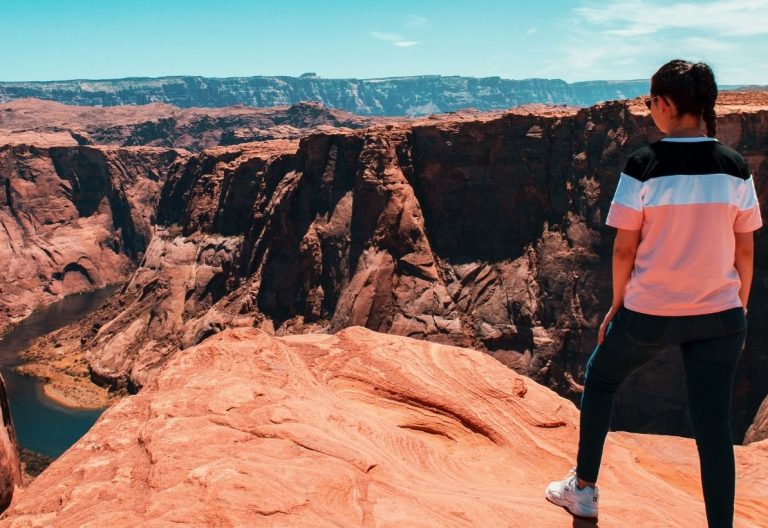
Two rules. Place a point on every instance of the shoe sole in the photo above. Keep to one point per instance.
(568, 509)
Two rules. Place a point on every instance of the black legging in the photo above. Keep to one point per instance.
(711, 345)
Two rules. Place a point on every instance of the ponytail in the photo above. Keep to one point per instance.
(711, 122)
(707, 95)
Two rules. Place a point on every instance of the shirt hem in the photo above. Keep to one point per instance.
(679, 313)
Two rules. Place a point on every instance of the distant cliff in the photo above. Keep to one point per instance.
(36, 121)
(393, 96)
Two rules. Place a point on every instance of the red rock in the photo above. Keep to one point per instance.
(72, 219)
(39, 122)
(10, 467)
(759, 429)
(357, 429)
(480, 229)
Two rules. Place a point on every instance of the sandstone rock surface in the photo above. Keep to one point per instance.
(34, 121)
(474, 229)
(356, 429)
(759, 429)
(10, 465)
(73, 219)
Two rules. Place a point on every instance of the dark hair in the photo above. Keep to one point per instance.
(691, 87)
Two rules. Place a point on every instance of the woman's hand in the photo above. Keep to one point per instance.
(624, 251)
(604, 325)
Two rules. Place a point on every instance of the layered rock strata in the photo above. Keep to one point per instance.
(73, 219)
(357, 429)
(482, 230)
(393, 96)
(33, 121)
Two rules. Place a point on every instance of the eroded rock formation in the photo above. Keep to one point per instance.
(357, 429)
(482, 230)
(32, 121)
(72, 219)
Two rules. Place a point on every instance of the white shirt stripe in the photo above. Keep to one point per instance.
(685, 189)
(628, 192)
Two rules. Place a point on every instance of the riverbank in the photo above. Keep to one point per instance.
(58, 361)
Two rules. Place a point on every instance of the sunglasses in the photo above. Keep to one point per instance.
(650, 100)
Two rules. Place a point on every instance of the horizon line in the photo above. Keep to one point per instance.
(311, 75)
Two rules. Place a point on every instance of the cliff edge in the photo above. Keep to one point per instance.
(357, 429)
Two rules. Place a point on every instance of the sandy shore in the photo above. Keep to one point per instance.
(57, 359)
(62, 387)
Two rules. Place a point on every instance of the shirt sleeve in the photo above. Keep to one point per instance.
(748, 216)
(626, 210)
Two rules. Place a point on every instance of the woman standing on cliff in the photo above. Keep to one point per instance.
(685, 209)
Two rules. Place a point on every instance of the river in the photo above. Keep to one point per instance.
(41, 424)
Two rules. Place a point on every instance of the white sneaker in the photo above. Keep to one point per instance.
(580, 502)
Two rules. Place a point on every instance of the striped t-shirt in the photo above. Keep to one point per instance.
(687, 196)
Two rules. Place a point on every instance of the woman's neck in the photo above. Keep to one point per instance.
(686, 126)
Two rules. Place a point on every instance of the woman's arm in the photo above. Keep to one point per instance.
(744, 262)
(624, 251)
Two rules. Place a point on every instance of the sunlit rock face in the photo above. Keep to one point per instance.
(357, 429)
(475, 229)
(72, 219)
(40, 122)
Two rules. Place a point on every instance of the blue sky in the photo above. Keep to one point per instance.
(572, 40)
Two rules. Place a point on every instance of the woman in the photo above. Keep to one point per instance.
(685, 209)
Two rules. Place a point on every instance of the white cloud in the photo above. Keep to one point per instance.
(531, 31)
(626, 39)
(635, 17)
(394, 38)
(700, 44)
(389, 37)
(632, 31)
(416, 22)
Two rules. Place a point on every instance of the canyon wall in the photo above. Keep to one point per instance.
(73, 219)
(393, 96)
(474, 230)
(27, 121)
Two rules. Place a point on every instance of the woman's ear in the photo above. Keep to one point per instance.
(667, 106)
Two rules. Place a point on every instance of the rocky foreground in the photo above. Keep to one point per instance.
(357, 429)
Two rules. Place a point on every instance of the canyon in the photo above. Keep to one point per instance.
(482, 230)
(478, 230)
